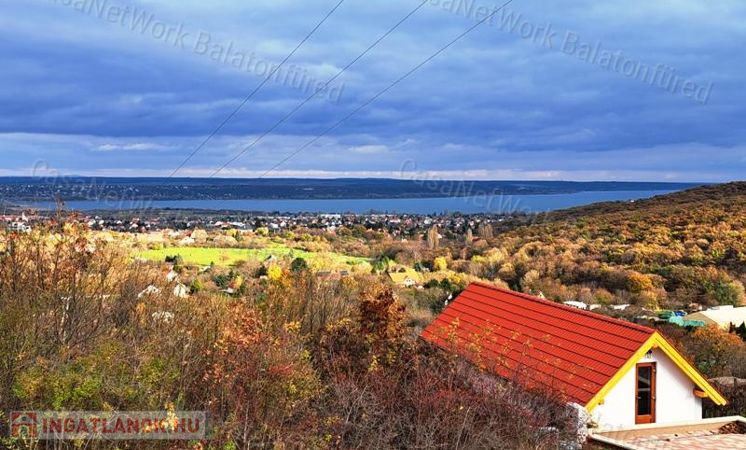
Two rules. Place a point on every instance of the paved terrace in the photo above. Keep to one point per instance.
(708, 434)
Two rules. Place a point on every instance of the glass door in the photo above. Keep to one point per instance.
(645, 393)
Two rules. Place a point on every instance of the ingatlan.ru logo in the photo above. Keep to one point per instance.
(126, 425)
(23, 424)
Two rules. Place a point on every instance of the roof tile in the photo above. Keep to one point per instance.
(539, 342)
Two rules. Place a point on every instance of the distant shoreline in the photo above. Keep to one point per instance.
(30, 189)
(487, 204)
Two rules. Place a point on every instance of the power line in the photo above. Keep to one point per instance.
(385, 90)
(310, 97)
(259, 87)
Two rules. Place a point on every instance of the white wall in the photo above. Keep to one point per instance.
(675, 399)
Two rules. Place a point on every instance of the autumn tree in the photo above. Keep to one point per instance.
(440, 263)
(485, 231)
(433, 238)
(261, 382)
(717, 352)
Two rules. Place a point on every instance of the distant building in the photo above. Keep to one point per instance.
(150, 290)
(181, 291)
(187, 241)
(574, 304)
(722, 316)
(405, 277)
(19, 227)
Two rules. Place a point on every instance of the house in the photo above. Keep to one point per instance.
(150, 290)
(722, 316)
(181, 291)
(187, 241)
(19, 227)
(621, 373)
(405, 277)
(579, 305)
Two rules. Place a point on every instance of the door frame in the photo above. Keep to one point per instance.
(648, 418)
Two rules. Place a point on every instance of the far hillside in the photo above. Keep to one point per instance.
(668, 251)
(717, 194)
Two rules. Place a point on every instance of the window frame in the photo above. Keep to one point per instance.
(646, 418)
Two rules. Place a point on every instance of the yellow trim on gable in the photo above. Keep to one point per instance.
(601, 394)
(693, 373)
(657, 341)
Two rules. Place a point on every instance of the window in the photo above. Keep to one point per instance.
(645, 393)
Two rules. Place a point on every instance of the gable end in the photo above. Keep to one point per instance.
(659, 342)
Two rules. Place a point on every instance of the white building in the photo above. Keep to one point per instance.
(673, 393)
(150, 290)
(19, 227)
(181, 291)
(722, 316)
(574, 304)
(621, 373)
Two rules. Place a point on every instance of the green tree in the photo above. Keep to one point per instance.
(196, 286)
(381, 264)
(299, 265)
(727, 292)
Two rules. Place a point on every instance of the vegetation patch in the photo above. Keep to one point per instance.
(230, 256)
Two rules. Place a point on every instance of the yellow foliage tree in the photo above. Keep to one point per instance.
(236, 283)
(274, 273)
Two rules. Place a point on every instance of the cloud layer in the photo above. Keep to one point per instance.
(568, 90)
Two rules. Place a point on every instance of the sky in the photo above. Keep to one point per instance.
(562, 90)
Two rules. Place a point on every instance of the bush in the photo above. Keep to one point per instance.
(261, 271)
(440, 263)
(726, 292)
(176, 260)
(196, 286)
(400, 393)
(298, 265)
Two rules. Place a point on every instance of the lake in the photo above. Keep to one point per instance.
(496, 204)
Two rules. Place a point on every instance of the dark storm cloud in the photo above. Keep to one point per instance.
(544, 90)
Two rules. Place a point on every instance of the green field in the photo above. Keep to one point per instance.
(228, 256)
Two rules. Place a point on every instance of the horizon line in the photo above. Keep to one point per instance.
(333, 178)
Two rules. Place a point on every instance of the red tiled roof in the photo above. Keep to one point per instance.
(540, 343)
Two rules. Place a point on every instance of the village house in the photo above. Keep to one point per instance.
(621, 373)
(405, 277)
(723, 316)
(150, 290)
(181, 291)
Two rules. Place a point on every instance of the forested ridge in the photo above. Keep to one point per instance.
(667, 251)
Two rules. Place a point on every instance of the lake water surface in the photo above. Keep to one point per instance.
(479, 204)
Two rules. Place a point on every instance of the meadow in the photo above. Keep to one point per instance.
(204, 256)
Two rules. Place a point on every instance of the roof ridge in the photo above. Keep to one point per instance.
(564, 349)
(591, 314)
(615, 336)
